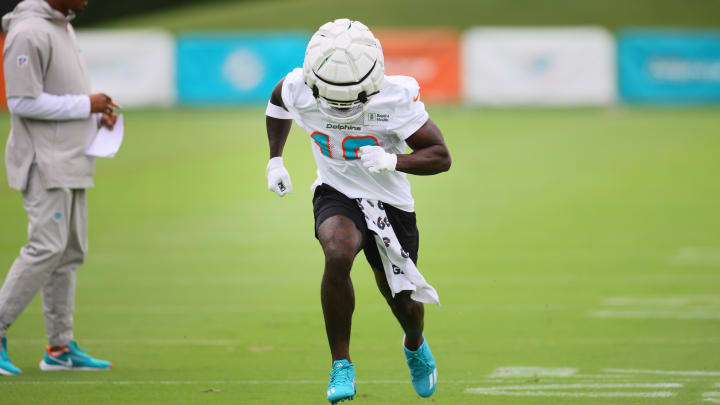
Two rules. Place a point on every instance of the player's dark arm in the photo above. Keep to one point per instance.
(277, 129)
(430, 154)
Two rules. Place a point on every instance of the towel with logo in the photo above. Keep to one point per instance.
(400, 270)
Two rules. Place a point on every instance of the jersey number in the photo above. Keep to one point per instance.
(350, 144)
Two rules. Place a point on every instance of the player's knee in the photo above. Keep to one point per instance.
(340, 251)
(340, 241)
(339, 256)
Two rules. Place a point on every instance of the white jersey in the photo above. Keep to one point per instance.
(391, 117)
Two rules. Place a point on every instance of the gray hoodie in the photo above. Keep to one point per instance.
(41, 56)
(32, 8)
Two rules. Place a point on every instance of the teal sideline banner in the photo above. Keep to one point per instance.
(669, 67)
(216, 69)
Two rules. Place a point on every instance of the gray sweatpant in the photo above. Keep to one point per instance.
(57, 244)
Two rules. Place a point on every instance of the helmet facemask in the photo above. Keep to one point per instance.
(341, 111)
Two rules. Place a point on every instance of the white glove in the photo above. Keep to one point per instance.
(278, 177)
(376, 160)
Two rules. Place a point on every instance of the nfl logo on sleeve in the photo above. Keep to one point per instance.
(22, 61)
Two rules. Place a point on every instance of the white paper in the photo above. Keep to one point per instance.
(107, 141)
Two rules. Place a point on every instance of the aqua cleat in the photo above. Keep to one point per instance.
(6, 366)
(72, 358)
(423, 371)
(342, 383)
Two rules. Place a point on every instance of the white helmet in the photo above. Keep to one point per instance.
(344, 67)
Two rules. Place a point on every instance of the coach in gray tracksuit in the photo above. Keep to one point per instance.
(48, 92)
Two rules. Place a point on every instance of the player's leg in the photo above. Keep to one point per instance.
(409, 313)
(341, 241)
(47, 212)
(58, 296)
(340, 227)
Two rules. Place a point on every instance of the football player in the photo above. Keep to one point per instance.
(359, 122)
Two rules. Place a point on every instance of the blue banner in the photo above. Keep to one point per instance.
(669, 67)
(214, 69)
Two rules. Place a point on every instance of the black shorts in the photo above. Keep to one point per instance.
(329, 202)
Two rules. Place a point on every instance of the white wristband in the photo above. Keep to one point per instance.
(278, 112)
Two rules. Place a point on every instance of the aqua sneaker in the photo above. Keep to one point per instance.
(342, 384)
(72, 358)
(423, 371)
(6, 367)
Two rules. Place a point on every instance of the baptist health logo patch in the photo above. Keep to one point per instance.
(377, 118)
(22, 61)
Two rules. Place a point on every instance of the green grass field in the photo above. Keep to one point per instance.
(582, 242)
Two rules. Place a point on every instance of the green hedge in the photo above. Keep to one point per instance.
(104, 10)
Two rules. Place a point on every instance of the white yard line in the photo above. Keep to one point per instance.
(548, 390)
(635, 301)
(532, 371)
(584, 386)
(611, 394)
(589, 384)
(14, 381)
(236, 382)
(661, 372)
(236, 342)
(615, 341)
(696, 255)
(659, 314)
(673, 307)
(17, 381)
(150, 341)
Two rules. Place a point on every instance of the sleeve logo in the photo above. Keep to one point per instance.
(22, 61)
